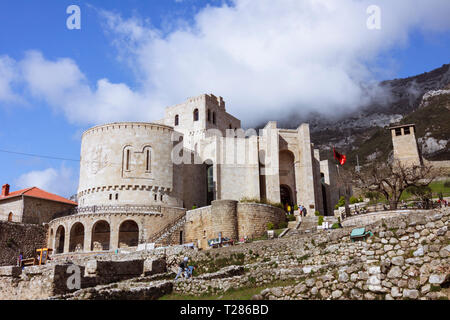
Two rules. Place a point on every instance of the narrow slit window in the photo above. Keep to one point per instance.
(147, 160)
(128, 160)
(117, 196)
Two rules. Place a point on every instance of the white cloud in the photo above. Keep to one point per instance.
(60, 181)
(7, 77)
(65, 87)
(264, 57)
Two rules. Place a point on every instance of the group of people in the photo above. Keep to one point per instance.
(290, 209)
(184, 269)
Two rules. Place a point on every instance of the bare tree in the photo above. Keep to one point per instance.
(391, 179)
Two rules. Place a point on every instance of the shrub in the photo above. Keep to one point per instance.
(317, 213)
(194, 207)
(447, 184)
(282, 225)
(320, 220)
(270, 226)
(290, 217)
(335, 226)
(296, 207)
(353, 200)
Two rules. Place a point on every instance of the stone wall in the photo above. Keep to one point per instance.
(232, 219)
(16, 237)
(407, 258)
(38, 211)
(13, 206)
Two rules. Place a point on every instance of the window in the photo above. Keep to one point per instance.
(161, 197)
(110, 196)
(117, 196)
(214, 118)
(398, 132)
(196, 115)
(176, 120)
(10, 216)
(209, 115)
(230, 127)
(147, 159)
(407, 130)
(156, 197)
(127, 159)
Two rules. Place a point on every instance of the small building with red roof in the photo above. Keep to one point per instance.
(31, 205)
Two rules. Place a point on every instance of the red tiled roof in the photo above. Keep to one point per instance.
(37, 193)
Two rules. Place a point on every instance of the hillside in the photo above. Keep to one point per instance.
(432, 121)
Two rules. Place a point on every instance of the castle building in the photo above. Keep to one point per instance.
(181, 179)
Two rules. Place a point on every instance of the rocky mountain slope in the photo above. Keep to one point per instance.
(422, 100)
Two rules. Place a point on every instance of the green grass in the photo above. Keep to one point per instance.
(232, 294)
(436, 188)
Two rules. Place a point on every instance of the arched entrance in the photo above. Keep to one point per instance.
(285, 195)
(128, 234)
(100, 236)
(60, 239)
(10, 217)
(76, 241)
(209, 182)
(287, 178)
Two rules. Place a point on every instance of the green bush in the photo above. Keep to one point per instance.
(194, 207)
(447, 184)
(320, 220)
(353, 200)
(282, 225)
(335, 226)
(317, 213)
(270, 226)
(291, 217)
(296, 207)
(341, 202)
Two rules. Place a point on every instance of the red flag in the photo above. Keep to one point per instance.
(341, 158)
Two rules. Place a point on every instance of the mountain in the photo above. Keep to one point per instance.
(422, 100)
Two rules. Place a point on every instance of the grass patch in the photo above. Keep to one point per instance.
(233, 294)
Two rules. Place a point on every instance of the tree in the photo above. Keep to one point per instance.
(391, 179)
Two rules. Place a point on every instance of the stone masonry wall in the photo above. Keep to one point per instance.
(16, 237)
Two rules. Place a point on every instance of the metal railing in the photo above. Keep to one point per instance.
(109, 209)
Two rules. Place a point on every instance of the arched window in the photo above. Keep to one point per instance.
(176, 120)
(117, 196)
(10, 216)
(101, 236)
(214, 118)
(196, 115)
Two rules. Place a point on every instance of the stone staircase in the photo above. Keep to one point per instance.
(169, 230)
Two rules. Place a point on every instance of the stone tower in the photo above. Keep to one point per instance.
(405, 144)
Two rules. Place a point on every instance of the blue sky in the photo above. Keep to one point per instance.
(149, 49)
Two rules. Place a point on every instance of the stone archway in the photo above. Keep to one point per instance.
(287, 177)
(128, 234)
(286, 195)
(76, 240)
(60, 239)
(10, 217)
(101, 236)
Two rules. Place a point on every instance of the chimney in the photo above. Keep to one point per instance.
(5, 190)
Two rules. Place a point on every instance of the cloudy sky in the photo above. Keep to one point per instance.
(132, 58)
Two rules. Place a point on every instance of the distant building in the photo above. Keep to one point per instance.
(31, 205)
(405, 145)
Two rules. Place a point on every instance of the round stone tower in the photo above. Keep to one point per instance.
(127, 163)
